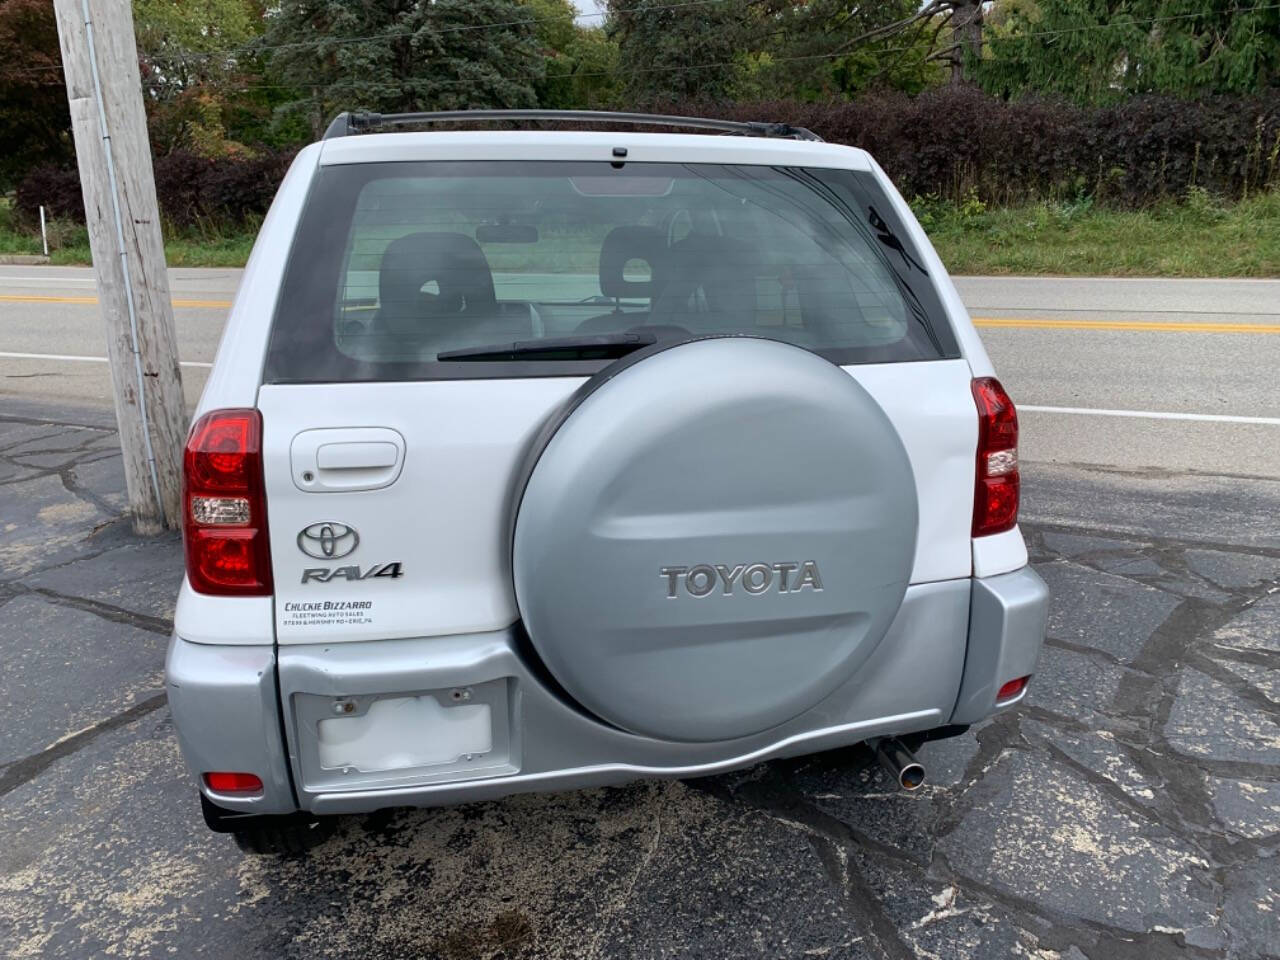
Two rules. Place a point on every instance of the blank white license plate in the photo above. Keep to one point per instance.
(400, 732)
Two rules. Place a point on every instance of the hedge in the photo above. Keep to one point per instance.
(948, 143)
(951, 141)
(192, 190)
(55, 188)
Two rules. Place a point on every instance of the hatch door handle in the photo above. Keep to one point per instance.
(351, 458)
(360, 455)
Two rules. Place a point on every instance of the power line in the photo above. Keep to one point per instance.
(622, 74)
(1147, 20)
(1083, 28)
(253, 48)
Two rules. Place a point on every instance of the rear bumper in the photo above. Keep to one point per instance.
(1007, 615)
(228, 717)
(227, 714)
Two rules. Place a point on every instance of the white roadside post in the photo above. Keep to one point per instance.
(104, 91)
(44, 236)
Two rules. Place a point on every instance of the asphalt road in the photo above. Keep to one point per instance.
(1163, 353)
(1128, 809)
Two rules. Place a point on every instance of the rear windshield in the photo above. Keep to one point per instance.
(395, 264)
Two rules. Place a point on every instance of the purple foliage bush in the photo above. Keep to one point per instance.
(54, 187)
(192, 190)
(949, 143)
(953, 140)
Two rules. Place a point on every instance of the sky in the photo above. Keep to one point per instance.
(589, 7)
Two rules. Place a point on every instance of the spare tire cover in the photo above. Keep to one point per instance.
(712, 537)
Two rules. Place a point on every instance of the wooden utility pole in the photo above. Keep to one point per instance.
(104, 90)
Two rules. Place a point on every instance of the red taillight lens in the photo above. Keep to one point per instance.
(225, 508)
(233, 782)
(1012, 689)
(995, 500)
(222, 441)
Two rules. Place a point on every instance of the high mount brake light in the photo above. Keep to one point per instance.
(224, 506)
(995, 496)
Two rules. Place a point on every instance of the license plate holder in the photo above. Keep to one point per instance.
(404, 738)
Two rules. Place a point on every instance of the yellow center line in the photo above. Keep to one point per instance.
(33, 298)
(1013, 323)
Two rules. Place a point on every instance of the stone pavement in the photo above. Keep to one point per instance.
(1130, 808)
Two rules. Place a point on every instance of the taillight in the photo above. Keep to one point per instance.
(233, 782)
(995, 499)
(1011, 689)
(224, 506)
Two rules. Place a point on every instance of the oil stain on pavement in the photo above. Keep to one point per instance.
(1129, 808)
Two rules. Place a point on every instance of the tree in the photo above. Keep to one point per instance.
(581, 62)
(668, 51)
(1099, 51)
(402, 55)
(192, 42)
(766, 48)
(810, 53)
(35, 125)
(926, 24)
(203, 84)
(594, 69)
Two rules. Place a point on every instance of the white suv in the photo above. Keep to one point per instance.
(539, 460)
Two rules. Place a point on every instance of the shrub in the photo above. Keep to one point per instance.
(218, 192)
(226, 192)
(54, 187)
(178, 187)
(949, 141)
(953, 144)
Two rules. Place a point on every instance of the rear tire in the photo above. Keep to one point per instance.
(915, 741)
(280, 835)
(281, 840)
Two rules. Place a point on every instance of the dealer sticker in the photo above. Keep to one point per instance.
(327, 613)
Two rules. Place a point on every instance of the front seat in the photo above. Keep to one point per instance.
(621, 246)
(712, 287)
(454, 263)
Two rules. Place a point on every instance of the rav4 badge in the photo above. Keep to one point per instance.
(330, 574)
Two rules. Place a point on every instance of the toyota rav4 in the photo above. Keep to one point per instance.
(544, 459)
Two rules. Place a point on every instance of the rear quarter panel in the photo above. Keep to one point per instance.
(237, 367)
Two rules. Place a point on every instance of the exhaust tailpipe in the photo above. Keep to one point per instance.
(899, 761)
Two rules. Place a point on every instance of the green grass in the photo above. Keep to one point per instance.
(224, 250)
(69, 243)
(1196, 237)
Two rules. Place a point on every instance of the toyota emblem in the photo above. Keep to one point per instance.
(328, 540)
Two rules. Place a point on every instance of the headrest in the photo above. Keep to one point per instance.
(712, 274)
(621, 246)
(453, 261)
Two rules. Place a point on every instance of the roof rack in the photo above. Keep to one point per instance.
(346, 124)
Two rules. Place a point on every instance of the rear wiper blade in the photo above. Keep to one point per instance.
(604, 346)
